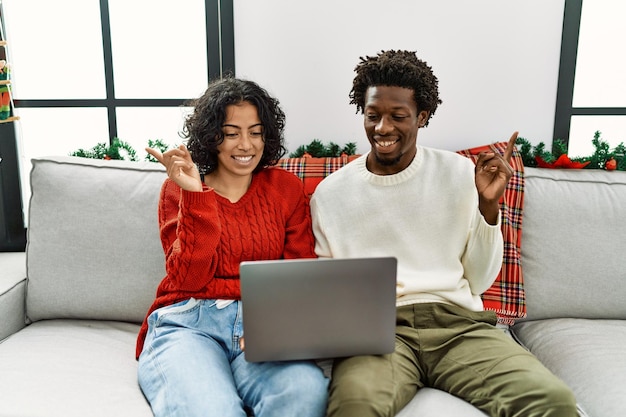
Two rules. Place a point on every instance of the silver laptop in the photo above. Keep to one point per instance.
(318, 308)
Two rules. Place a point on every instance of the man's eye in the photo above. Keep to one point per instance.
(371, 116)
(399, 116)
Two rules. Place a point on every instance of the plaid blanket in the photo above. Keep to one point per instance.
(313, 170)
(506, 295)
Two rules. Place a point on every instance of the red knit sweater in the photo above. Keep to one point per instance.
(205, 236)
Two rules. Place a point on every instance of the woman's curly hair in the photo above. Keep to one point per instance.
(397, 69)
(203, 127)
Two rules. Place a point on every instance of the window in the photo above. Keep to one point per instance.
(87, 71)
(12, 232)
(591, 92)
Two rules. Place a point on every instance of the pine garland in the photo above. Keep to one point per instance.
(122, 150)
(119, 150)
(603, 156)
(156, 144)
(317, 149)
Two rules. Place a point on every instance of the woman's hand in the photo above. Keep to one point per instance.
(492, 174)
(180, 167)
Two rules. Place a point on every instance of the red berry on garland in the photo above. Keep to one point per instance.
(610, 165)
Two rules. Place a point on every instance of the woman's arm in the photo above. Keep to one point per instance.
(190, 232)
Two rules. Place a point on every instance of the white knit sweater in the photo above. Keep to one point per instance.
(426, 216)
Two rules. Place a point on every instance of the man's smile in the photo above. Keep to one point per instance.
(386, 143)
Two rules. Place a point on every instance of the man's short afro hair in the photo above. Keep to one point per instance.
(396, 69)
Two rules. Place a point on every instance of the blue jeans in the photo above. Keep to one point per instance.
(192, 365)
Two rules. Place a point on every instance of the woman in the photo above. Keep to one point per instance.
(223, 204)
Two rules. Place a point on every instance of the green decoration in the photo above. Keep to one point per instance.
(156, 144)
(118, 150)
(603, 156)
(317, 149)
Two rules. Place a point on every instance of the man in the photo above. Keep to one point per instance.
(438, 214)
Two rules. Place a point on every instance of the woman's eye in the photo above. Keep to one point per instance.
(256, 134)
(230, 135)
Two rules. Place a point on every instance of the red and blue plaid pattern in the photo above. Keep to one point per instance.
(313, 170)
(506, 295)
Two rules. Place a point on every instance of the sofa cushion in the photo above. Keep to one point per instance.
(574, 221)
(506, 296)
(71, 368)
(93, 247)
(431, 402)
(587, 354)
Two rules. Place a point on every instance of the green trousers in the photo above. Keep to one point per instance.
(457, 351)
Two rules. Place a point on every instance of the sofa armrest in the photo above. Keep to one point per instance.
(12, 292)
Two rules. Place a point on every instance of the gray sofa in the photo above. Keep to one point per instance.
(70, 307)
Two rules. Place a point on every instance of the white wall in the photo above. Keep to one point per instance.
(496, 60)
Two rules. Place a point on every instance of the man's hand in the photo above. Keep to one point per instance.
(492, 174)
(180, 167)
